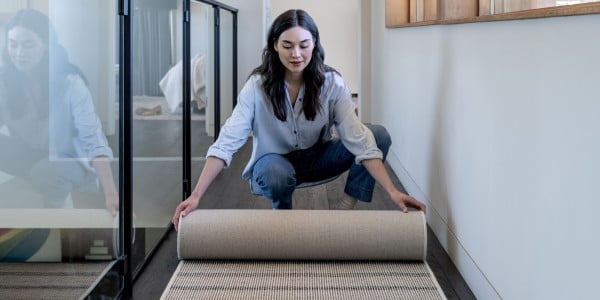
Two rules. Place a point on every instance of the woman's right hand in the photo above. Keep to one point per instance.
(210, 170)
(184, 208)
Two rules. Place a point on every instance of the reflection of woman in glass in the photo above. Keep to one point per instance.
(54, 139)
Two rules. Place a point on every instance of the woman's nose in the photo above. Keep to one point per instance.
(296, 52)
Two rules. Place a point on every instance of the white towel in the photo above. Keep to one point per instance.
(171, 83)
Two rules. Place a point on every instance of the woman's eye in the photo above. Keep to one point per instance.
(28, 45)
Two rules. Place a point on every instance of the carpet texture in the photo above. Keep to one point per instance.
(48, 280)
(302, 254)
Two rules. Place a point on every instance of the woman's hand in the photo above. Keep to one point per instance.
(405, 201)
(111, 194)
(112, 203)
(212, 168)
(378, 171)
(184, 208)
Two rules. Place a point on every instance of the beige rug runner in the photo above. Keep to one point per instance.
(302, 254)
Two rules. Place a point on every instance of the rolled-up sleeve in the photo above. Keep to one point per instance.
(87, 124)
(355, 136)
(238, 126)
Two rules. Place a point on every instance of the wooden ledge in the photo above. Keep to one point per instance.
(557, 11)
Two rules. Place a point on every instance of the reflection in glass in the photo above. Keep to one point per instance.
(226, 64)
(58, 186)
(55, 140)
(157, 122)
(201, 74)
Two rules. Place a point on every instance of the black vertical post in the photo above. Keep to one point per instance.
(125, 140)
(187, 136)
(234, 59)
(217, 85)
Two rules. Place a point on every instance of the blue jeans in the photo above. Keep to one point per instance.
(275, 176)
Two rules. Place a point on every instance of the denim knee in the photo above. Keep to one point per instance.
(275, 180)
(382, 138)
(48, 179)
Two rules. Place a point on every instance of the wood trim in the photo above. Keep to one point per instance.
(570, 10)
(485, 8)
(416, 11)
(424, 10)
(431, 10)
(459, 9)
(397, 13)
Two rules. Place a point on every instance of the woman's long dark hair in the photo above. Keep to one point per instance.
(50, 73)
(273, 71)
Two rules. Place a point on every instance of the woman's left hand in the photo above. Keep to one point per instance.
(405, 201)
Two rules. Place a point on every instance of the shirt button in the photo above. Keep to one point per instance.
(295, 132)
(296, 146)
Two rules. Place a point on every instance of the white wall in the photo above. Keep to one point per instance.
(495, 125)
(364, 70)
(250, 36)
(339, 27)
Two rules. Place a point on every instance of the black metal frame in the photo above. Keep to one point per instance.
(187, 131)
(217, 61)
(117, 281)
(125, 146)
(217, 78)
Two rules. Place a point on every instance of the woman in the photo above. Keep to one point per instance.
(55, 138)
(290, 103)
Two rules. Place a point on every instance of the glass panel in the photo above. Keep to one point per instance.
(58, 142)
(201, 72)
(202, 83)
(157, 122)
(226, 65)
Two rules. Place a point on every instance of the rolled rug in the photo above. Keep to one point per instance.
(302, 254)
(302, 235)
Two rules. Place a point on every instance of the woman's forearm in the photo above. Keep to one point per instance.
(379, 173)
(212, 168)
(111, 194)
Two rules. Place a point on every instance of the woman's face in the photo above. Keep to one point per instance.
(295, 47)
(25, 48)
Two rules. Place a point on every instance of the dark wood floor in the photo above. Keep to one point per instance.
(230, 191)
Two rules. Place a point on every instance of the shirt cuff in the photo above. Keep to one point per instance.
(218, 153)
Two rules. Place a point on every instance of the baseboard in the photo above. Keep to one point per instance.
(472, 274)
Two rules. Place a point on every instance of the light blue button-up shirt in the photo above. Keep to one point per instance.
(253, 114)
(72, 130)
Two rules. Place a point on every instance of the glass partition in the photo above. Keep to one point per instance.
(157, 129)
(226, 64)
(58, 146)
(60, 135)
(202, 83)
(212, 76)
